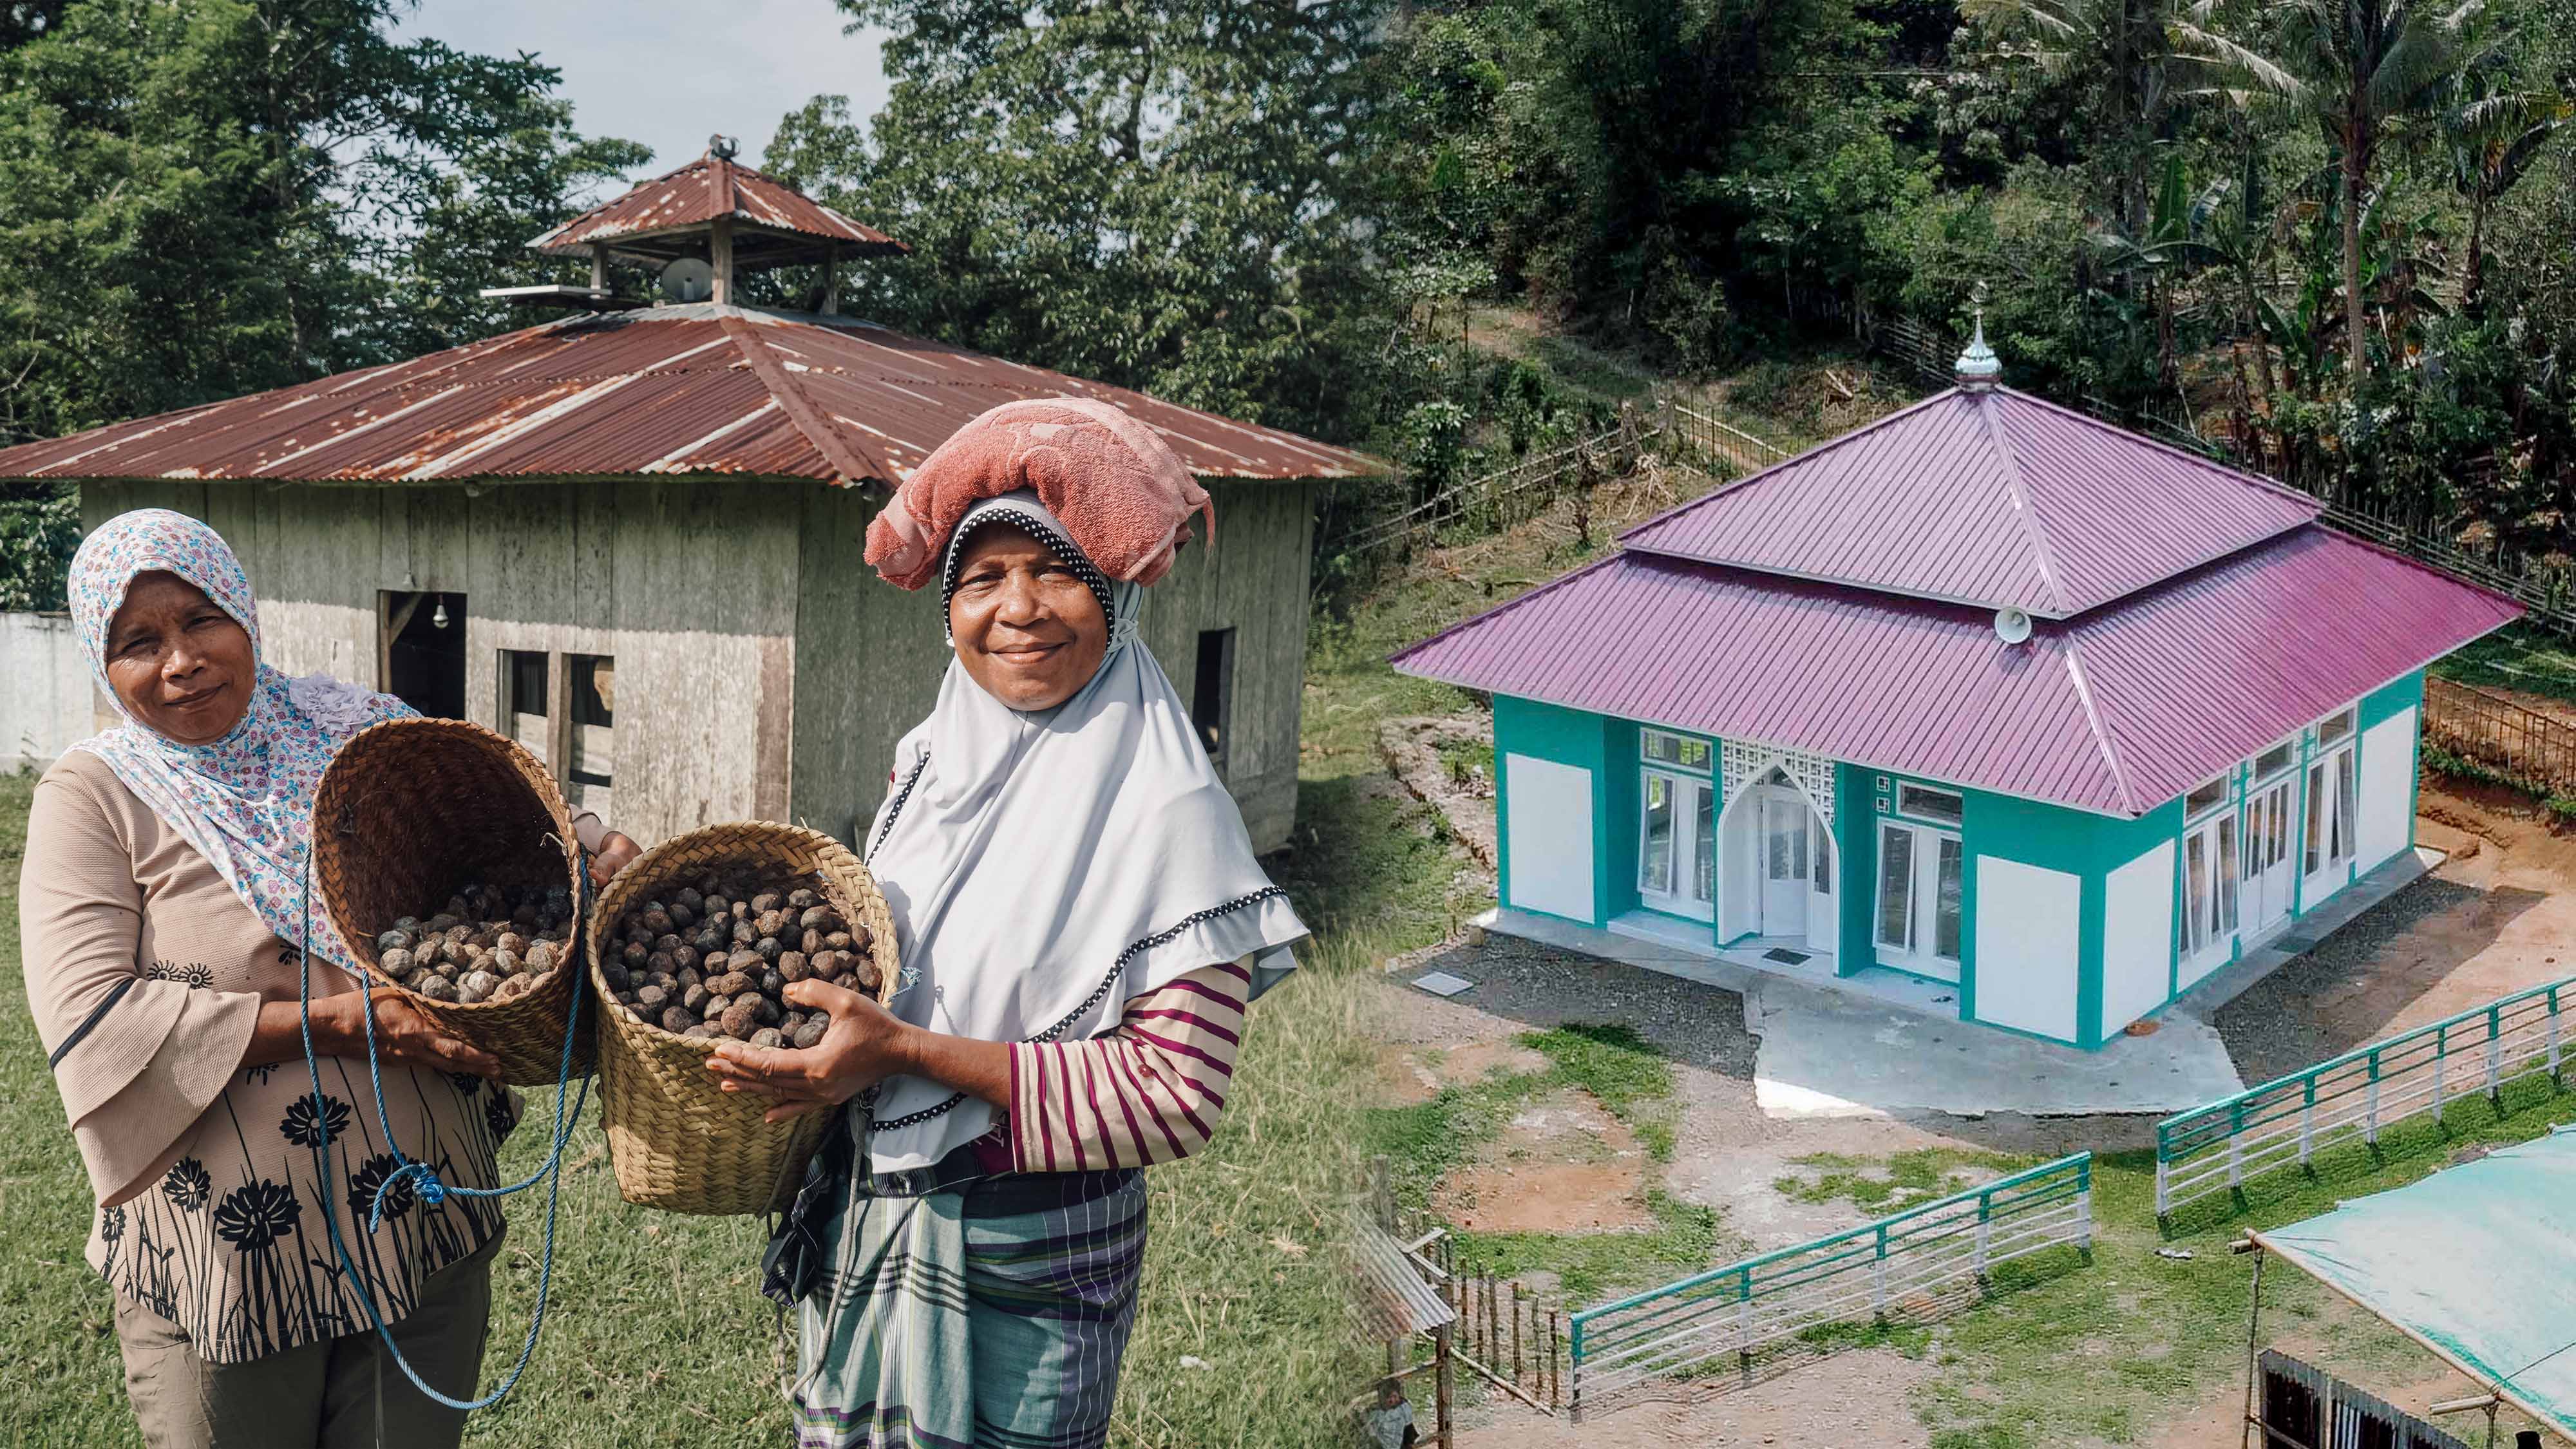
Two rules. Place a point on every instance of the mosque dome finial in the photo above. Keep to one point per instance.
(1978, 368)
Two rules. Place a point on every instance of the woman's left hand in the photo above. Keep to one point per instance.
(615, 849)
(864, 1045)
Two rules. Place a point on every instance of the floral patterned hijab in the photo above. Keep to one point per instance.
(246, 801)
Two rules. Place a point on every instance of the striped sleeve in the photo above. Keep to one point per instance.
(1150, 1090)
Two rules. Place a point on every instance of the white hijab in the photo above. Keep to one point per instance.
(1045, 868)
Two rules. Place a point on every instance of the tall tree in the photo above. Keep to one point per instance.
(201, 198)
(2494, 125)
(1156, 194)
(2357, 68)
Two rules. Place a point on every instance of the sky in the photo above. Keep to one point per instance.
(669, 74)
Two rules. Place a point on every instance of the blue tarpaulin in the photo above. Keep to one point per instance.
(2476, 1262)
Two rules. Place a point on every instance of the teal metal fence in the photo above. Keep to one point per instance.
(2218, 1146)
(1906, 1265)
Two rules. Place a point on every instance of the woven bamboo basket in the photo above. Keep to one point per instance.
(410, 810)
(677, 1141)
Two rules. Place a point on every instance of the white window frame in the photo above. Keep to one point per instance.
(1682, 745)
(2254, 770)
(1907, 788)
(1917, 954)
(2226, 784)
(2217, 916)
(1678, 901)
(2339, 766)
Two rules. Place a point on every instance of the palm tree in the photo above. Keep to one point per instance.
(2358, 67)
(2146, 56)
(2493, 131)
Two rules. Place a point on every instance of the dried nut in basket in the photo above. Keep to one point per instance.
(435, 987)
(477, 986)
(723, 953)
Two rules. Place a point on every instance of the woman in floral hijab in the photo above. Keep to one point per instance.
(162, 915)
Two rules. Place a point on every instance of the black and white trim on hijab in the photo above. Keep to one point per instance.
(1065, 549)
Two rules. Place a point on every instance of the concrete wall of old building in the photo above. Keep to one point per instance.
(691, 587)
(762, 670)
(848, 719)
(48, 705)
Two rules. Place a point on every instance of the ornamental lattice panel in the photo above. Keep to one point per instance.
(1742, 765)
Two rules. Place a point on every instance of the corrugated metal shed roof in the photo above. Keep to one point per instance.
(699, 389)
(1988, 497)
(2114, 712)
(1394, 1299)
(707, 188)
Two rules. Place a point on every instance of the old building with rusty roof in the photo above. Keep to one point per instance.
(631, 536)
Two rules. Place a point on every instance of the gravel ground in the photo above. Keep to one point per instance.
(2271, 1030)
(1541, 986)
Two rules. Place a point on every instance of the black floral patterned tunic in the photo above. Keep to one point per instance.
(146, 973)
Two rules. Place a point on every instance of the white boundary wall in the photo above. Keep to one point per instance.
(45, 694)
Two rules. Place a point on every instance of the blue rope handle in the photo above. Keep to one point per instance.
(433, 1191)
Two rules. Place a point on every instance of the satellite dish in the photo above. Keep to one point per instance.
(689, 279)
(2012, 625)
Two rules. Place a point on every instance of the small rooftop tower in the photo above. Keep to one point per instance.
(1978, 369)
(702, 227)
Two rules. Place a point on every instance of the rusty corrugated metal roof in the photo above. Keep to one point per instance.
(1394, 1299)
(2115, 711)
(707, 188)
(1988, 497)
(689, 390)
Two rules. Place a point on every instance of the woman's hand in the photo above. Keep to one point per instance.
(615, 849)
(404, 1033)
(864, 1045)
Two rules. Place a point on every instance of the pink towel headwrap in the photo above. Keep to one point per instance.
(1122, 492)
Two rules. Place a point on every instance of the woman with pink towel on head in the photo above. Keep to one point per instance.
(1082, 926)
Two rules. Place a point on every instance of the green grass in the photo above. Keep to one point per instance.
(1895, 1183)
(2523, 657)
(1591, 1267)
(2110, 1350)
(1466, 761)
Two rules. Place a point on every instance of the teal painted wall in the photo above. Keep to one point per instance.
(1568, 737)
(1619, 824)
(1856, 832)
(2076, 842)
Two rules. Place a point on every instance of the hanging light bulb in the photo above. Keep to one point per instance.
(438, 616)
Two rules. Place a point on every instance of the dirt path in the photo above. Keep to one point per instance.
(1852, 1399)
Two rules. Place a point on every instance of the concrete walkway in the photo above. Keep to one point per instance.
(1846, 1047)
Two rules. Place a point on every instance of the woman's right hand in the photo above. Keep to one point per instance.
(404, 1033)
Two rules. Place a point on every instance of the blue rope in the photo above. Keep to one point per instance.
(431, 1190)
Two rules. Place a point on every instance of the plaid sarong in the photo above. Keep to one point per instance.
(934, 1330)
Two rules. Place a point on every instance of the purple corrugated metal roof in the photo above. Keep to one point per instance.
(698, 389)
(707, 188)
(2114, 712)
(1990, 498)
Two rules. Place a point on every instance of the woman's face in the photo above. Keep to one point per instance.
(1027, 629)
(179, 664)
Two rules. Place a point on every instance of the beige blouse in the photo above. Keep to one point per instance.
(146, 973)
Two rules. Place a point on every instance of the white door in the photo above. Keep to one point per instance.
(2326, 858)
(2209, 869)
(1677, 848)
(1820, 883)
(1784, 862)
(2271, 861)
